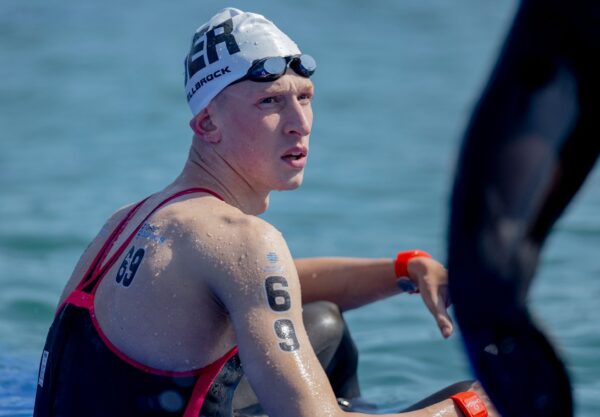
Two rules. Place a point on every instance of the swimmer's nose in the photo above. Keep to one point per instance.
(299, 118)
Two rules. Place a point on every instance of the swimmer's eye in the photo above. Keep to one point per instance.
(304, 98)
(268, 100)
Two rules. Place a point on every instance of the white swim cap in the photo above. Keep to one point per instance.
(224, 48)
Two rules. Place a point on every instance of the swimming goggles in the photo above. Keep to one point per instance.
(271, 68)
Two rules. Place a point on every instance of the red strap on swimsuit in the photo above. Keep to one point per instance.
(96, 270)
(205, 380)
(83, 297)
(92, 272)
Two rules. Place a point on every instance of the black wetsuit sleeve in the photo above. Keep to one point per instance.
(531, 142)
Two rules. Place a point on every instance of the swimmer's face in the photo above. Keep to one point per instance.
(265, 129)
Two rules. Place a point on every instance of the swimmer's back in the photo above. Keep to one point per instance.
(165, 314)
(137, 331)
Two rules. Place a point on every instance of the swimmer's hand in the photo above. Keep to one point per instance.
(431, 278)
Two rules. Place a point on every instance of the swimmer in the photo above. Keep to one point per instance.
(189, 289)
(531, 142)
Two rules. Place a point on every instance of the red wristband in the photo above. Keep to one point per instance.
(401, 264)
(470, 404)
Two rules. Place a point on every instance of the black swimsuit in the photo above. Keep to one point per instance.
(82, 374)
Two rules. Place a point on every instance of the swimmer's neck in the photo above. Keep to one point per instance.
(209, 170)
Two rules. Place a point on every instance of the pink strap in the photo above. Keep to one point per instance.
(92, 270)
(85, 300)
(79, 299)
(96, 269)
(205, 372)
(127, 241)
(205, 380)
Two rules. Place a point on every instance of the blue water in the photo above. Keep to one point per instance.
(93, 116)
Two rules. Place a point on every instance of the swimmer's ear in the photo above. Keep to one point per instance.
(204, 128)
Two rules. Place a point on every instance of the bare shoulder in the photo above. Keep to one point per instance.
(213, 223)
(235, 250)
(219, 236)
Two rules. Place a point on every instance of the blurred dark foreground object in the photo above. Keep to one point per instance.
(533, 138)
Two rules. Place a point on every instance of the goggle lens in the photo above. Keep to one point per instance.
(274, 66)
(304, 65)
(270, 69)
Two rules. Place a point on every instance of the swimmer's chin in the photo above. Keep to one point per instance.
(291, 187)
(291, 184)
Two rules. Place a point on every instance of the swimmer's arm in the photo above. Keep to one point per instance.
(266, 312)
(353, 282)
(261, 294)
(347, 282)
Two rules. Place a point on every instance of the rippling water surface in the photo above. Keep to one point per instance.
(93, 116)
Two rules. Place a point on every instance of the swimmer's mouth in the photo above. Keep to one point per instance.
(295, 154)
